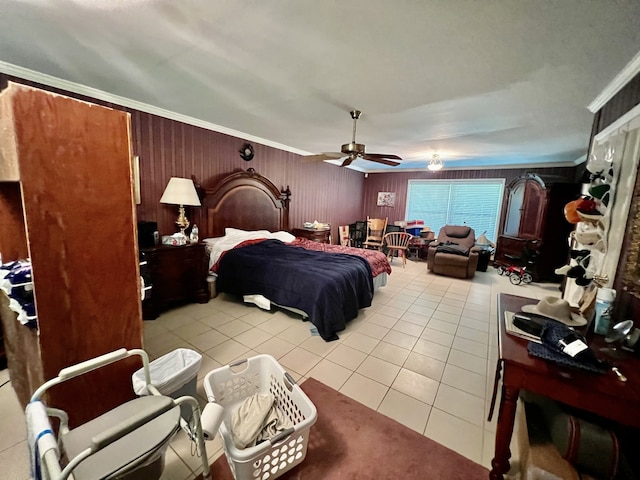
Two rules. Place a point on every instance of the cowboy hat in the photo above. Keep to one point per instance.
(556, 309)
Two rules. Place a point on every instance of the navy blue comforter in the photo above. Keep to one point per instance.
(329, 287)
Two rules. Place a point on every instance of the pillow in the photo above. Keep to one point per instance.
(285, 237)
(233, 231)
(211, 242)
(457, 231)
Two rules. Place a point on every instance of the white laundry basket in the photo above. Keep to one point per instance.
(229, 386)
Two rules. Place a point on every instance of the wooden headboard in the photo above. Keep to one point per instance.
(248, 201)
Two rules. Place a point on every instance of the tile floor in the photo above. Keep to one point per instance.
(424, 354)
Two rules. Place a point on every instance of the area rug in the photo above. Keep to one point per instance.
(350, 441)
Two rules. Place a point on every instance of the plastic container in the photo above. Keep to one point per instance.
(229, 386)
(174, 375)
(604, 311)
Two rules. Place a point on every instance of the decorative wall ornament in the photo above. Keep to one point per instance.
(386, 199)
(246, 152)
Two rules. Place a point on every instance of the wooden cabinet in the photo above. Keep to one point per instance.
(313, 234)
(178, 274)
(533, 218)
(66, 202)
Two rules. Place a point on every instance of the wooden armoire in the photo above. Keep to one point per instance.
(66, 202)
(533, 217)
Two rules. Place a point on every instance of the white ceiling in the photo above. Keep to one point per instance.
(481, 82)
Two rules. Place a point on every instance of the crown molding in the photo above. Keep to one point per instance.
(624, 122)
(77, 88)
(620, 80)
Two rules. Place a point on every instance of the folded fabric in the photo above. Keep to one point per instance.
(549, 349)
(453, 248)
(257, 419)
(546, 353)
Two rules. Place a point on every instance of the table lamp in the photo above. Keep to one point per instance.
(181, 191)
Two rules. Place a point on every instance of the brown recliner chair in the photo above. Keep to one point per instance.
(454, 252)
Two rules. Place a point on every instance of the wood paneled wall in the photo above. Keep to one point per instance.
(623, 101)
(166, 148)
(398, 183)
(322, 192)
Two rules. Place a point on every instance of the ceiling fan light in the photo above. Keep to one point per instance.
(435, 163)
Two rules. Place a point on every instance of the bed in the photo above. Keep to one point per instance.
(252, 255)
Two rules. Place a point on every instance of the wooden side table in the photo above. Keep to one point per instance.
(419, 246)
(178, 275)
(603, 395)
(313, 234)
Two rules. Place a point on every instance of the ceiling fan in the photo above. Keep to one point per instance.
(354, 150)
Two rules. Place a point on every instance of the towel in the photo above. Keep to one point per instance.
(40, 437)
(257, 419)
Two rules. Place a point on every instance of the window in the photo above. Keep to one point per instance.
(457, 202)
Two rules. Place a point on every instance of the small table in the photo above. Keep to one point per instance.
(178, 274)
(603, 395)
(320, 235)
(419, 246)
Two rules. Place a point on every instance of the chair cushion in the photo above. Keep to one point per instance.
(457, 231)
(445, 260)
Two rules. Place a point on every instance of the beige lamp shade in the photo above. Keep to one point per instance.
(180, 191)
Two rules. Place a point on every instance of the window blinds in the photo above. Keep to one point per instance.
(456, 202)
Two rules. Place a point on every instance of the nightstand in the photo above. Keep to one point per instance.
(316, 235)
(178, 275)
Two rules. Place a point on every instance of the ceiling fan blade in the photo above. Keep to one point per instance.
(320, 157)
(348, 160)
(379, 158)
(382, 155)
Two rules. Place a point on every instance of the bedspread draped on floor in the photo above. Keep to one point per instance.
(330, 288)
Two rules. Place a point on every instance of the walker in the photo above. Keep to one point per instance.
(127, 442)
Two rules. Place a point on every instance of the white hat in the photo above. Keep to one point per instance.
(556, 309)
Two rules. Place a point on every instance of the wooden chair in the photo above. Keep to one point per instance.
(375, 232)
(358, 233)
(397, 242)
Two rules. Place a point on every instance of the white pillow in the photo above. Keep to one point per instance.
(233, 231)
(283, 236)
(211, 242)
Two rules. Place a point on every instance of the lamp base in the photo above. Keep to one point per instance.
(182, 222)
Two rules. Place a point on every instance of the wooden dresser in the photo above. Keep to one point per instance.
(178, 275)
(533, 218)
(316, 235)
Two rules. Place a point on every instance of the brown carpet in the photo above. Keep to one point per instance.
(352, 441)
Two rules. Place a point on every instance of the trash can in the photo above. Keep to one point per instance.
(174, 375)
(484, 256)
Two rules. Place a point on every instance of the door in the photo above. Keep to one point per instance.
(533, 210)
